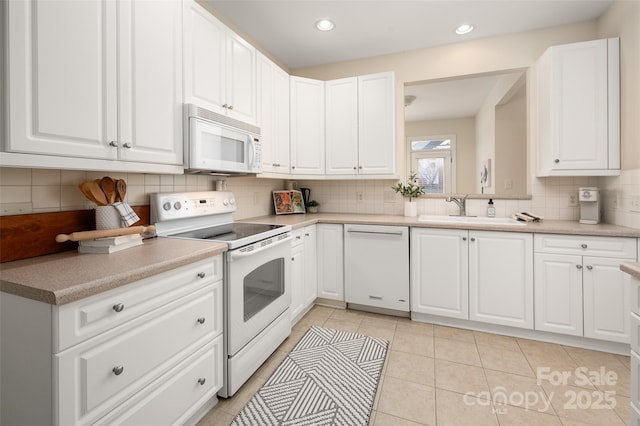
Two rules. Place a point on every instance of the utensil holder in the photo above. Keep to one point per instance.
(108, 217)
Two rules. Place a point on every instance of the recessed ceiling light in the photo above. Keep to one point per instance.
(464, 29)
(325, 25)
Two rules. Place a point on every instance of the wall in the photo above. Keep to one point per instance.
(464, 129)
(623, 19)
(25, 191)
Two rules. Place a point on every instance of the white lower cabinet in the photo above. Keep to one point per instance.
(635, 350)
(440, 272)
(579, 288)
(330, 246)
(161, 364)
(304, 278)
(501, 278)
(483, 276)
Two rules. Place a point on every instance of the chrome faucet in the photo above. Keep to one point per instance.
(461, 202)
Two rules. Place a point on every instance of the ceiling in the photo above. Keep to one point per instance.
(364, 28)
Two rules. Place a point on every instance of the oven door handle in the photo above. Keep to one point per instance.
(238, 254)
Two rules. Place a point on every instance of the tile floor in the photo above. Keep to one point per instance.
(437, 375)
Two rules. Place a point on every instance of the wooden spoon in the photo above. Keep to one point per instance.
(121, 189)
(108, 186)
(98, 194)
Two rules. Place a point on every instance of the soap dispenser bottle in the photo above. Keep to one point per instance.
(491, 211)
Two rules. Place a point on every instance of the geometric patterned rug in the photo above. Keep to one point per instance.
(329, 378)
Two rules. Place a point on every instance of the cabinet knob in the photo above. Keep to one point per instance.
(360, 167)
(472, 239)
(297, 237)
(583, 246)
(355, 168)
(117, 370)
(127, 145)
(225, 106)
(579, 266)
(118, 307)
(589, 267)
(201, 381)
(113, 144)
(293, 167)
(556, 160)
(306, 234)
(464, 238)
(293, 259)
(201, 320)
(230, 106)
(201, 274)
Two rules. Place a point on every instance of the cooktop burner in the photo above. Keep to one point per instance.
(228, 232)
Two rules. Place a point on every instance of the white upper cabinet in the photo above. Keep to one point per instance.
(273, 115)
(95, 80)
(220, 67)
(360, 125)
(307, 126)
(578, 109)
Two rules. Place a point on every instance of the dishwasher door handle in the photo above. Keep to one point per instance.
(353, 231)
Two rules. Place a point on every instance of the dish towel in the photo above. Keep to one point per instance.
(127, 215)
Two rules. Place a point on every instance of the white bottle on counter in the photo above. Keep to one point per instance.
(491, 211)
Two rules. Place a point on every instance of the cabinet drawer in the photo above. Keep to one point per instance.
(181, 391)
(586, 245)
(78, 321)
(108, 370)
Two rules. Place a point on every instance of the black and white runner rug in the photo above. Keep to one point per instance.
(329, 378)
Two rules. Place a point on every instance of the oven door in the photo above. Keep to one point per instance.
(258, 288)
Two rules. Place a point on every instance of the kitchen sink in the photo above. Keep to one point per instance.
(471, 219)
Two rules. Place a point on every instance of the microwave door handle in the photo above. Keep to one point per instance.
(252, 152)
(237, 254)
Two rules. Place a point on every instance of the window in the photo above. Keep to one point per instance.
(431, 158)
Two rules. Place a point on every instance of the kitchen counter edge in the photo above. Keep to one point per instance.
(545, 227)
(631, 268)
(66, 277)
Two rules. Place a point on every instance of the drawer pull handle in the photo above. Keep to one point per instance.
(556, 161)
(118, 307)
(583, 246)
(201, 381)
(201, 320)
(201, 274)
(297, 237)
(375, 297)
(579, 266)
(118, 370)
(589, 267)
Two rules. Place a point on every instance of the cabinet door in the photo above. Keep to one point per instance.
(273, 115)
(330, 262)
(307, 126)
(558, 293)
(607, 293)
(241, 96)
(341, 114)
(501, 278)
(377, 131)
(297, 280)
(310, 265)
(150, 81)
(204, 58)
(440, 272)
(62, 78)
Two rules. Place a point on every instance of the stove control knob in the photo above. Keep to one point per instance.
(167, 206)
(177, 205)
(232, 201)
(225, 202)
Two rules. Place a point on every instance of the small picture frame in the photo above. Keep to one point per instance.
(288, 202)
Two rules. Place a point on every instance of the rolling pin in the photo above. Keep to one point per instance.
(102, 233)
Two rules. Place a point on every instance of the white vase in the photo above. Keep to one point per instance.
(410, 208)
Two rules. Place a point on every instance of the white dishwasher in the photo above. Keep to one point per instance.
(376, 266)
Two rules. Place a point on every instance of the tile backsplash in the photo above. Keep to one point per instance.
(34, 190)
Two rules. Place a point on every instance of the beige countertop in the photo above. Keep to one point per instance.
(546, 226)
(631, 268)
(66, 277)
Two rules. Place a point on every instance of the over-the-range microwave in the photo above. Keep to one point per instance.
(215, 143)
